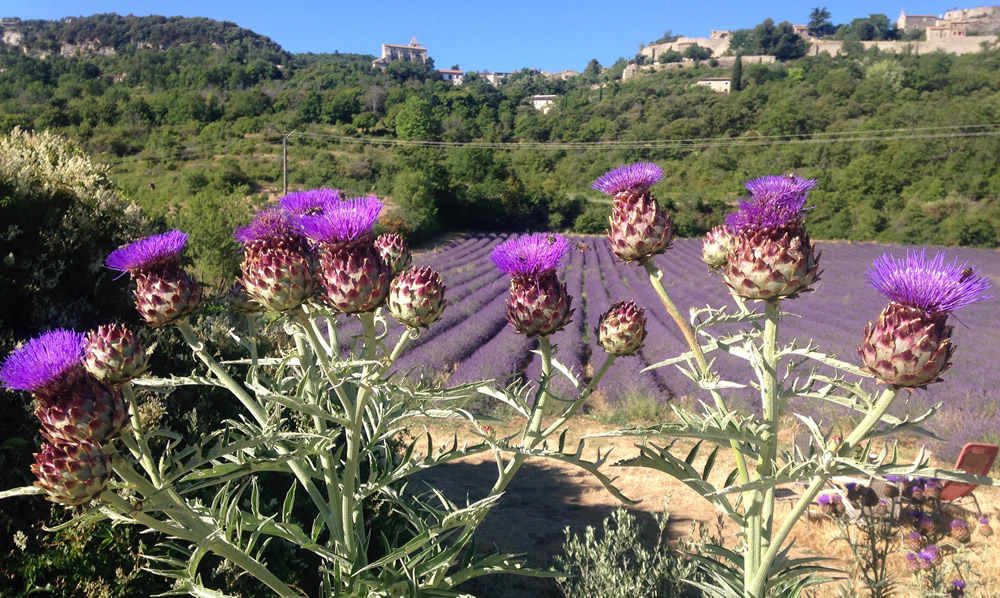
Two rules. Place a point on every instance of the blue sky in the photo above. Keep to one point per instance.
(498, 36)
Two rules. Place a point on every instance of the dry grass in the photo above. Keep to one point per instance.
(549, 496)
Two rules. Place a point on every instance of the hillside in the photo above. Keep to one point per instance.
(904, 146)
(110, 34)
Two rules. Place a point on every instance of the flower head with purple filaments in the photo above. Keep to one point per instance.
(824, 499)
(775, 202)
(149, 253)
(641, 175)
(43, 360)
(313, 201)
(530, 255)
(958, 584)
(927, 284)
(342, 222)
(266, 224)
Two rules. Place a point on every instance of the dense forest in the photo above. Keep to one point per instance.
(190, 114)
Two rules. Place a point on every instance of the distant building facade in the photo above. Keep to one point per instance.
(909, 23)
(413, 52)
(947, 30)
(457, 77)
(543, 103)
(716, 84)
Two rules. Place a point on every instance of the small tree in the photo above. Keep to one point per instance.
(737, 75)
(696, 52)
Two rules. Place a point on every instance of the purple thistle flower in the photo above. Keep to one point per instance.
(266, 224)
(927, 284)
(43, 360)
(343, 222)
(781, 188)
(530, 254)
(958, 524)
(984, 521)
(150, 253)
(775, 202)
(313, 201)
(824, 499)
(958, 584)
(929, 554)
(641, 175)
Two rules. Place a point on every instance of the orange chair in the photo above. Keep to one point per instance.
(976, 458)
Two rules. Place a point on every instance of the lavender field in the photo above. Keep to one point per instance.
(472, 341)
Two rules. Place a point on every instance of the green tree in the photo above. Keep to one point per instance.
(819, 22)
(737, 75)
(416, 119)
(696, 52)
(785, 44)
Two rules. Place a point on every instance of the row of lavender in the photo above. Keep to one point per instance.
(473, 342)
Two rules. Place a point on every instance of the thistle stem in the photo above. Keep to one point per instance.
(762, 504)
(351, 516)
(140, 437)
(252, 333)
(656, 280)
(258, 414)
(755, 589)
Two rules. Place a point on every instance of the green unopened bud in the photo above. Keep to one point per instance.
(622, 329)
(416, 297)
(72, 472)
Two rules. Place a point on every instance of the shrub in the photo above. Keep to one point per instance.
(619, 564)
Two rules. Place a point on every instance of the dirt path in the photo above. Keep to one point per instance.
(548, 496)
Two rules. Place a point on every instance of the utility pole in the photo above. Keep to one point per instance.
(284, 158)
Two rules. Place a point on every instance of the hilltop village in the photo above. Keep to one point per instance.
(957, 31)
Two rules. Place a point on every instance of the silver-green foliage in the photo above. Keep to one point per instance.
(618, 563)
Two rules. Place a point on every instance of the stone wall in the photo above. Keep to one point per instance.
(723, 62)
(983, 19)
(718, 46)
(955, 45)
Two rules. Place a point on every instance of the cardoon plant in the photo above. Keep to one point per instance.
(317, 419)
(764, 254)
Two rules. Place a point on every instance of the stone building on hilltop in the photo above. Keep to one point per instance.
(981, 20)
(414, 52)
(909, 23)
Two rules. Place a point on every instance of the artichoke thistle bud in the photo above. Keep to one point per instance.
(394, 252)
(72, 472)
(638, 227)
(114, 353)
(164, 292)
(539, 304)
(715, 247)
(355, 278)
(910, 343)
(914, 541)
(91, 410)
(416, 297)
(278, 265)
(771, 256)
(241, 302)
(985, 529)
(622, 329)
(960, 531)
(957, 589)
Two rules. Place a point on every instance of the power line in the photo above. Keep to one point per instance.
(897, 134)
